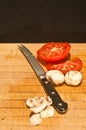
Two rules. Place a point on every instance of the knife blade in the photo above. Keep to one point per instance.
(58, 103)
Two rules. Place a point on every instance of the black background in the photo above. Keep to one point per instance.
(42, 20)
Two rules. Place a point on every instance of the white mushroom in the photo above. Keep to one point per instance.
(49, 101)
(41, 107)
(48, 112)
(35, 119)
(73, 78)
(55, 76)
(37, 104)
(31, 102)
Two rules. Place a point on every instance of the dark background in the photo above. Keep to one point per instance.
(42, 20)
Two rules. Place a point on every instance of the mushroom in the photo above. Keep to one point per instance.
(37, 104)
(40, 106)
(31, 102)
(49, 101)
(35, 119)
(73, 77)
(48, 112)
(55, 76)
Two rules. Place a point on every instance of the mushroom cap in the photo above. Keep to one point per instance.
(55, 76)
(73, 77)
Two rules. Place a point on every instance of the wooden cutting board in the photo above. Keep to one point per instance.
(18, 82)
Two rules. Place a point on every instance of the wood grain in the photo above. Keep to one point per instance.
(18, 82)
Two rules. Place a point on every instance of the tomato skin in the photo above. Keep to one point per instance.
(64, 67)
(53, 51)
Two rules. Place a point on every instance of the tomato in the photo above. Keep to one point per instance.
(54, 51)
(75, 64)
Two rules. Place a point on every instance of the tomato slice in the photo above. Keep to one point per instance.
(54, 51)
(75, 64)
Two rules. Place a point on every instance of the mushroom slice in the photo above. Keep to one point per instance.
(48, 112)
(73, 78)
(35, 119)
(39, 104)
(49, 101)
(31, 102)
(55, 76)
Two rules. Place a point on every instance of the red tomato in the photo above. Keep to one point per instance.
(53, 51)
(75, 64)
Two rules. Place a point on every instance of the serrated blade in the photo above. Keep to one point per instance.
(32, 60)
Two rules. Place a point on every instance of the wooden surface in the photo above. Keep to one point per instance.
(18, 82)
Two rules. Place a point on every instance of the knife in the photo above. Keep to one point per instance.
(58, 103)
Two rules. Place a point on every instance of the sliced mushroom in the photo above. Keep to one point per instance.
(35, 119)
(73, 78)
(48, 112)
(37, 104)
(55, 76)
(31, 102)
(49, 101)
(41, 107)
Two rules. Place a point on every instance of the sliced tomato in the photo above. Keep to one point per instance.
(54, 51)
(75, 64)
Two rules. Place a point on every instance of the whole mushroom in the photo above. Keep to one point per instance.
(73, 78)
(55, 76)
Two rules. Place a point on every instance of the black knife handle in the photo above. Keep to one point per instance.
(58, 103)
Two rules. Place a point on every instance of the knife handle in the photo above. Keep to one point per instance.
(58, 103)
